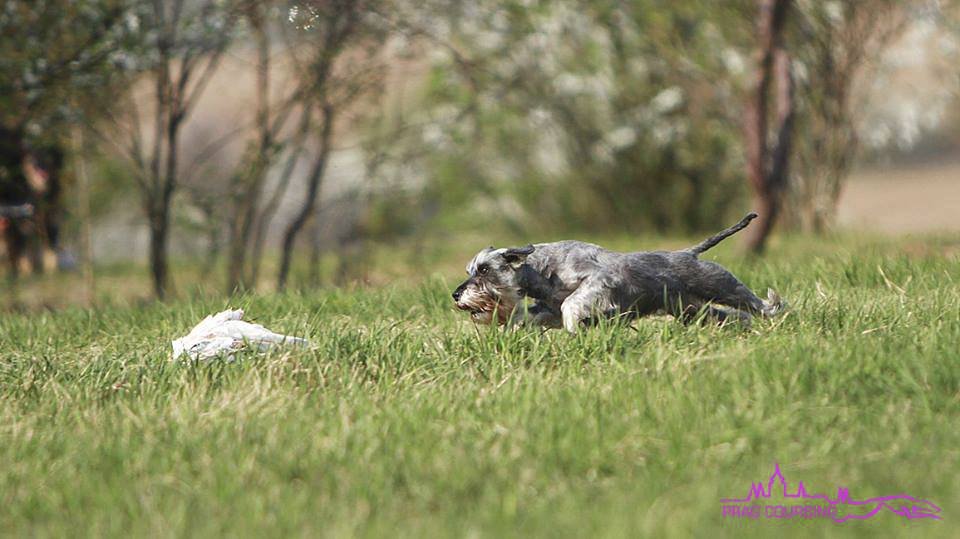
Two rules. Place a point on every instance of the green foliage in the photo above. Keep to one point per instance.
(402, 419)
(595, 115)
(837, 48)
(56, 54)
(605, 115)
(110, 186)
(58, 58)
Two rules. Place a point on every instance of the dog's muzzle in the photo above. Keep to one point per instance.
(480, 306)
(458, 294)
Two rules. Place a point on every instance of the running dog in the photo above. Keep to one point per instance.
(574, 283)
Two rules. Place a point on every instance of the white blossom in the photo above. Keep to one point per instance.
(733, 61)
(667, 100)
(621, 137)
(834, 11)
(569, 84)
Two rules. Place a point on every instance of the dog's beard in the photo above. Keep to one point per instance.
(482, 317)
(486, 307)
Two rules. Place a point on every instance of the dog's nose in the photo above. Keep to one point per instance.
(456, 294)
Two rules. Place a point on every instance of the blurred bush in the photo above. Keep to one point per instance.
(586, 116)
(556, 115)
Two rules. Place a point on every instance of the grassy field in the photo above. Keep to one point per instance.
(403, 419)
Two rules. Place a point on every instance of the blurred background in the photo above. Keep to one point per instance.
(154, 148)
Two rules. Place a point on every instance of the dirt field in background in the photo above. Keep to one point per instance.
(903, 200)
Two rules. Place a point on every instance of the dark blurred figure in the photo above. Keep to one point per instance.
(30, 206)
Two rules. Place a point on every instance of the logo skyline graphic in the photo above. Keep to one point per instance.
(909, 507)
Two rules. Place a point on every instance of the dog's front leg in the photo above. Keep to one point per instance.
(543, 315)
(589, 299)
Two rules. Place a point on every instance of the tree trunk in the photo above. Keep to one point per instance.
(313, 187)
(236, 258)
(767, 170)
(159, 269)
(160, 207)
(241, 229)
(246, 212)
(182, 69)
(313, 268)
(85, 218)
(270, 209)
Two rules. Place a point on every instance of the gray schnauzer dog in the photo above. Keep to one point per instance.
(572, 282)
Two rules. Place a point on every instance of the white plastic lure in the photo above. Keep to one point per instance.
(226, 332)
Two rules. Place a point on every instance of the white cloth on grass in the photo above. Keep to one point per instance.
(226, 332)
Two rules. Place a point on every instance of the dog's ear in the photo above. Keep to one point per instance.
(517, 255)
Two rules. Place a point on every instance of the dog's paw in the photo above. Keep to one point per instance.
(774, 304)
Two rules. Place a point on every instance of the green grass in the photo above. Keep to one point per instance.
(402, 419)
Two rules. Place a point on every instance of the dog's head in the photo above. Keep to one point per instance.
(493, 284)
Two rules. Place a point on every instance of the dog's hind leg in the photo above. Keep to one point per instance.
(717, 285)
(724, 317)
(714, 284)
(682, 308)
(773, 305)
(688, 312)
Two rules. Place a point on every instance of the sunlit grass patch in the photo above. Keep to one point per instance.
(402, 418)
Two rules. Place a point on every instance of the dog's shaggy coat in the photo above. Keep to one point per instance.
(573, 282)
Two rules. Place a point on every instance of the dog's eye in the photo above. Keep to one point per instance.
(482, 270)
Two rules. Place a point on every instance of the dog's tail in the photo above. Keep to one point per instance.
(714, 240)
